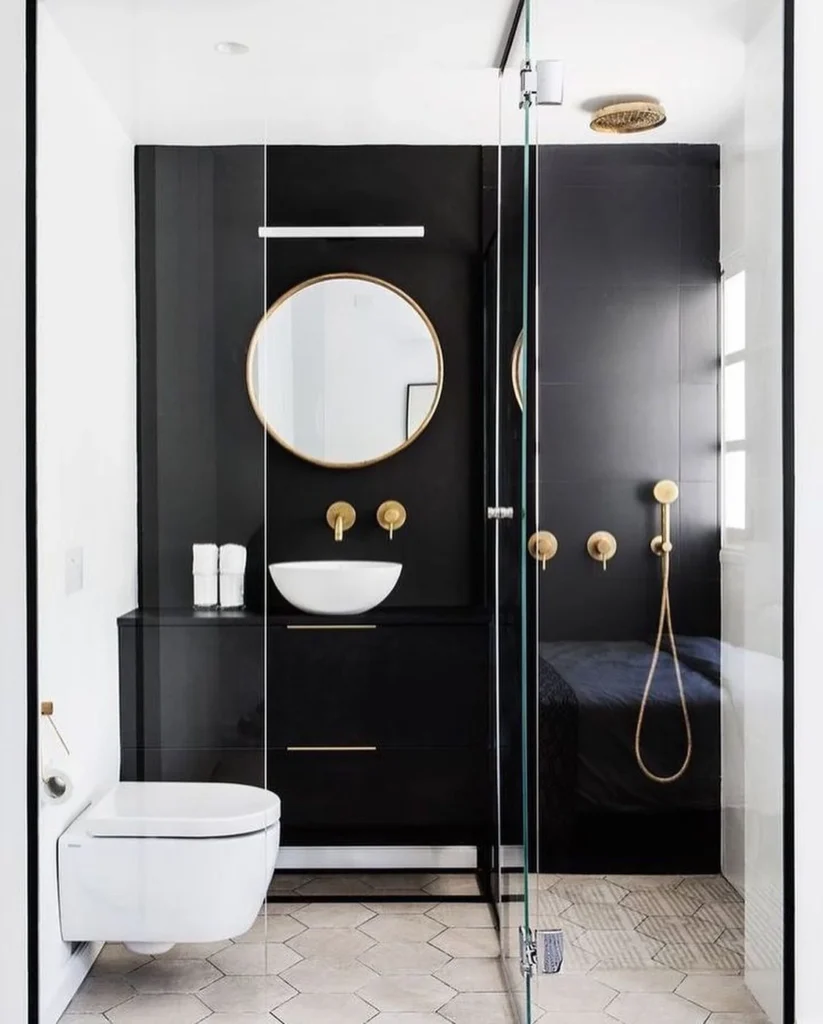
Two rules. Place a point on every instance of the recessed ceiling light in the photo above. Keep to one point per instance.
(231, 49)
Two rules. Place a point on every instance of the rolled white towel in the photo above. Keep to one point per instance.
(232, 558)
(205, 590)
(204, 559)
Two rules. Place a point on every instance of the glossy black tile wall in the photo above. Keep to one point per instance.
(206, 465)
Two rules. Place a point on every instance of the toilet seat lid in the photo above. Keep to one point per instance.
(182, 810)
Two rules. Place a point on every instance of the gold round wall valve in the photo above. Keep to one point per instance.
(391, 515)
(543, 546)
(340, 516)
(602, 546)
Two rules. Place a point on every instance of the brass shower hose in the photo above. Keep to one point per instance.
(664, 622)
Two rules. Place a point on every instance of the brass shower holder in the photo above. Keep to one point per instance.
(543, 546)
(391, 516)
(602, 547)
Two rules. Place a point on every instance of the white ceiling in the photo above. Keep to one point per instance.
(386, 71)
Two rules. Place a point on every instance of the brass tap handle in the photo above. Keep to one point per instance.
(543, 546)
(602, 547)
(391, 516)
(340, 516)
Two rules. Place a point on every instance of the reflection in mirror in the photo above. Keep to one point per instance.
(517, 370)
(345, 370)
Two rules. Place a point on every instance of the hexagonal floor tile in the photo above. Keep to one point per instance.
(697, 957)
(246, 994)
(454, 885)
(407, 1018)
(335, 885)
(730, 915)
(472, 942)
(160, 1009)
(575, 1018)
(470, 974)
(726, 994)
(577, 960)
(400, 908)
(399, 881)
(343, 943)
(733, 939)
(84, 1018)
(240, 1018)
(735, 1018)
(330, 1009)
(472, 1007)
(407, 993)
(174, 976)
(652, 979)
(571, 993)
(283, 882)
(324, 974)
(270, 927)
(404, 958)
(463, 915)
(402, 928)
(655, 1008)
(256, 958)
(333, 915)
(710, 888)
(680, 929)
(589, 890)
(640, 883)
(602, 916)
(193, 950)
(114, 958)
(613, 944)
(661, 903)
(98, 994)
(550, 904)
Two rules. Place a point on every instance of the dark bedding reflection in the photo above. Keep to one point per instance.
(590, 694)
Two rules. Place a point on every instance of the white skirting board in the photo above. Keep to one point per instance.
(374, 858)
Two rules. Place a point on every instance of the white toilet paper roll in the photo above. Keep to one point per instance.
(57, 785)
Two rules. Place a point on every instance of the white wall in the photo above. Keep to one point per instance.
(86, 451)
(13, 909)
(808, 752)
(752, 575)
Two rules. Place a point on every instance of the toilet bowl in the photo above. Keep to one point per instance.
(155, 863)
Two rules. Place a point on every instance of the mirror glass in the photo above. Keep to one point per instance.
(345, 370)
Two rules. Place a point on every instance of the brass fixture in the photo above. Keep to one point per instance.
(337, 750)
(665, 492)
(543, 546)
(340, 516)
(602, 546)
(391, 515)
(628, 118)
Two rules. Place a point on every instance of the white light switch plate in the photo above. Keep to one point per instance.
(74, 570)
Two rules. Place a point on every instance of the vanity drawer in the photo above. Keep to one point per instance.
(391, 789)
(404, 686)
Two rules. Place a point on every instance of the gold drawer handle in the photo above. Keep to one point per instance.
(294, 750)
(339, 626)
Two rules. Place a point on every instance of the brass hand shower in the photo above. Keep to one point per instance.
(666, 493)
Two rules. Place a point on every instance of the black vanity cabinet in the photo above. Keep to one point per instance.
(370, 732)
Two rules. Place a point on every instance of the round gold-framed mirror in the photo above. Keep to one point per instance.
(345, 370)
(517, 370)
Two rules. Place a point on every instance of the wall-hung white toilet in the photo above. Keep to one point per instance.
(155, 863)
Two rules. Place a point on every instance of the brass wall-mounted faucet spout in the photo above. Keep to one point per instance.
(340, 516)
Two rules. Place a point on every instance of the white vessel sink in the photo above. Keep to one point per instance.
(335, 588)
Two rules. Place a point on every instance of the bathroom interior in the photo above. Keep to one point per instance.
(410, 678)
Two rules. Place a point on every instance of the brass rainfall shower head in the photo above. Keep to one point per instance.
(627, 118)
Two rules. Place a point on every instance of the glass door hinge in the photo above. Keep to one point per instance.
(541, 951)
(528, 85)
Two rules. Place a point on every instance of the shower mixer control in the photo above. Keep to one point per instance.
(602, 547)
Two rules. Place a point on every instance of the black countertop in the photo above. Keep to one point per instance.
(240, 617)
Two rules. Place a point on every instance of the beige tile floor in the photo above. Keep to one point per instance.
(640, 950)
